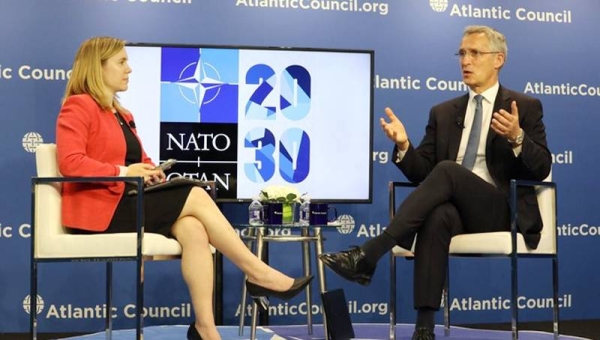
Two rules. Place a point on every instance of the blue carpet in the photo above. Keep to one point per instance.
(404, 332)
(179, 333)
(300, 332)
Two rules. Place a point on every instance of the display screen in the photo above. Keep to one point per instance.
(249, 117)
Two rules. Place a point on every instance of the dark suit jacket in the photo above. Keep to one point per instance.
(442, 139)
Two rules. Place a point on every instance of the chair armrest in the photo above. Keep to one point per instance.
(514, 184)
(396, 184)
(139, 181)
(47, 180)
(530, 183)
(392, 186)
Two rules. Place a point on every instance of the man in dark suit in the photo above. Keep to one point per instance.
(473, 146)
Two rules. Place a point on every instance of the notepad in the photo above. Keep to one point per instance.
(175, 182)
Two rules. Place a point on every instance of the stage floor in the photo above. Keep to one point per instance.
(299, 332)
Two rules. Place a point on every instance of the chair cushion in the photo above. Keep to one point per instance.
(492, 243)
(105, 245)
(399, 251)
(485, 243)
(497, 243)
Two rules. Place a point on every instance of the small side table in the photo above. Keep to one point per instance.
(308, 234)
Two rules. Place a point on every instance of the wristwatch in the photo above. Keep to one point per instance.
(519, 140)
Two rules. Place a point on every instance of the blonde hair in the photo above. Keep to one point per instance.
(86, 76)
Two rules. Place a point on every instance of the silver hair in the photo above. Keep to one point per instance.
(496, 39)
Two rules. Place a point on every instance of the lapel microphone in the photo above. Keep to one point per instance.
(460, 122)
(132, 124)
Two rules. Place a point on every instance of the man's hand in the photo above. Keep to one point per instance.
(507, 124)
(395, 130)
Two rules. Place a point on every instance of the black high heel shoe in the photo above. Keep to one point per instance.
(192, 333)
(261, 294)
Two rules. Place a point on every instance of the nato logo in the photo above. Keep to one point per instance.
(199, 85)
(31, 140)
(347, 224)
(39, 304)
(438, 5)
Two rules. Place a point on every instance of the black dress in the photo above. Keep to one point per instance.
(161, 208)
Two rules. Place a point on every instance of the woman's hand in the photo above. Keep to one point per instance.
(155, 179)
(151, 176)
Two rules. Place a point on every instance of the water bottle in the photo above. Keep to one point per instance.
(305, 211)
(255, 211)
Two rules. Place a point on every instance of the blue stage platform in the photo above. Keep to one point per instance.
(299, 332)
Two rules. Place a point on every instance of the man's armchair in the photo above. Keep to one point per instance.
(508, 244)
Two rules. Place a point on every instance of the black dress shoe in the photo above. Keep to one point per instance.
(192, 333)
(260, 294)
(350, 264)
(422, 333)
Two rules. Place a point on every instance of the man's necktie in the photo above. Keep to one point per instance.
(473, 144)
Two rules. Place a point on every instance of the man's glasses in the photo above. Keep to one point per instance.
(473, 54)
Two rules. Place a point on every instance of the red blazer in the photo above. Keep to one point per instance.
(90, 142)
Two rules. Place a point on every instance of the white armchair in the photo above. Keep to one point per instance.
(497, 244)
(51, 242)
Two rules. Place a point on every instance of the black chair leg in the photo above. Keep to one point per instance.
(109, 275)
(392, 302)
(33, 301)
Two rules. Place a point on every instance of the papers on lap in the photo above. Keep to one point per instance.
(175, 182)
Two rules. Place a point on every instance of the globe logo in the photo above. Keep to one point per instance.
(39, 304)
(31, 140)
(438, 5)
(347, 224)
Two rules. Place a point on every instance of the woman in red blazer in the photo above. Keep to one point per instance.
(94, 137)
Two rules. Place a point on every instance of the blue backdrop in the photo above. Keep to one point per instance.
(551, 56)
